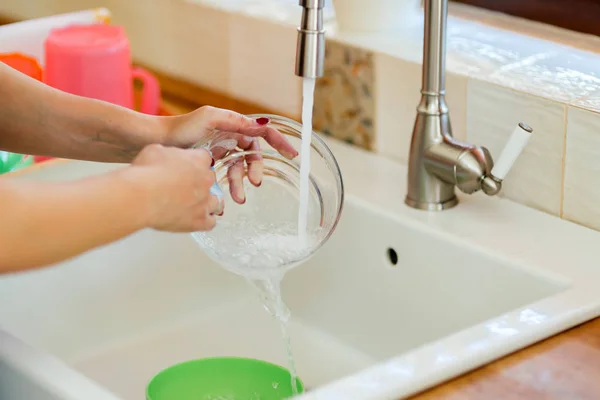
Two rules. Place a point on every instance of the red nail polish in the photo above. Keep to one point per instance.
(263, 120)
(221, 214)
(212, 163)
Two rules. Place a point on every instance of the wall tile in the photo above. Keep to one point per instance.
(493, 113)
(264, 64)
(397, 94)
(590, 102)
(560, 76)
(180, 28)
(146, 28)
(456, 96)
(398, 91)
(582, 168)
(477, 50)
(344, 103)
(282, 11)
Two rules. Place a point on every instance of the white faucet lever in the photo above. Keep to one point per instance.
(513, 148)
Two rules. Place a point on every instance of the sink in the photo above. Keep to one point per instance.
(397, 301)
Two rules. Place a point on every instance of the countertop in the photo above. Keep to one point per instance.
(565, 366)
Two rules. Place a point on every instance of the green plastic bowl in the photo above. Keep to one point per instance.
(222, 378)
(12, 161)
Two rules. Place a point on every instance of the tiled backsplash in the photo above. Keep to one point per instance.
(492, 114)
(581, 192)
(496, 78)
(344, 103)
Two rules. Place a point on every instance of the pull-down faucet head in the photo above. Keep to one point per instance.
(310, 49)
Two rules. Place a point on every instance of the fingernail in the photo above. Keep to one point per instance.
(259, 183)
(289, 155)
(262, 120)
(255, 173)
(212, 163)
(241, 195)
(220, 214)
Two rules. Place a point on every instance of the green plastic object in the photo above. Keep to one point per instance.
(222, 378)
(13, 161)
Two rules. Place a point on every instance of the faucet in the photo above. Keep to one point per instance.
(310, 48)
(438, 163)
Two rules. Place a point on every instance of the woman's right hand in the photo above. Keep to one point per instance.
(177, 185)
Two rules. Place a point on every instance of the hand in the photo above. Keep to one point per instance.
(239, 132)
(177, 183)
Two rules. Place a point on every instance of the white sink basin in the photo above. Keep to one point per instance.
(470, 285)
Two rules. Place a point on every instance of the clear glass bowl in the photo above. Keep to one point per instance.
(260, 237)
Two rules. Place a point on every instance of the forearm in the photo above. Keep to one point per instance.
(44, 223)
(37, 119)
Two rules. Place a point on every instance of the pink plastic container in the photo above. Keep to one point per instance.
(95, 61)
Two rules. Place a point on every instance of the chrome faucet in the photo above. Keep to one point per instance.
(437, 162)
(310, 49)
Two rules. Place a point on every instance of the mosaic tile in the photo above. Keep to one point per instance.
(344, 102)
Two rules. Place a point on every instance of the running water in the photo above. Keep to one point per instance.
(308, 91)
(270, 291)
(255, 249)
(260, 252)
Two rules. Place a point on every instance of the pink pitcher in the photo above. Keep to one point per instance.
(95, 61)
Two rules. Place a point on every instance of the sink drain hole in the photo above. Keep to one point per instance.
(392, 256)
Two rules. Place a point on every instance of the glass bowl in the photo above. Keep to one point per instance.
(259, 239)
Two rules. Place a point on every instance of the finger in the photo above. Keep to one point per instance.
(215, 205)
(230, 121)
(205, 223)
(277, 141)
(202, 158)
(254, 161)
(227, 120)
(235, 175)
(223, 143)
(255, 164)
(203, 186)
(210, 222)
(219, 152)
(245, 142)
(232, 141)
(208, 179)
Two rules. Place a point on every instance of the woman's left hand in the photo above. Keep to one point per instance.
(235, 131)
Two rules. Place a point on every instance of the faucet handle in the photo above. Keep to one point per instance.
(492, 183)
(513, 148)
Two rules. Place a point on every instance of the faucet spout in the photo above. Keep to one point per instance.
(310, 48)
(434, 51)
(432, 130)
